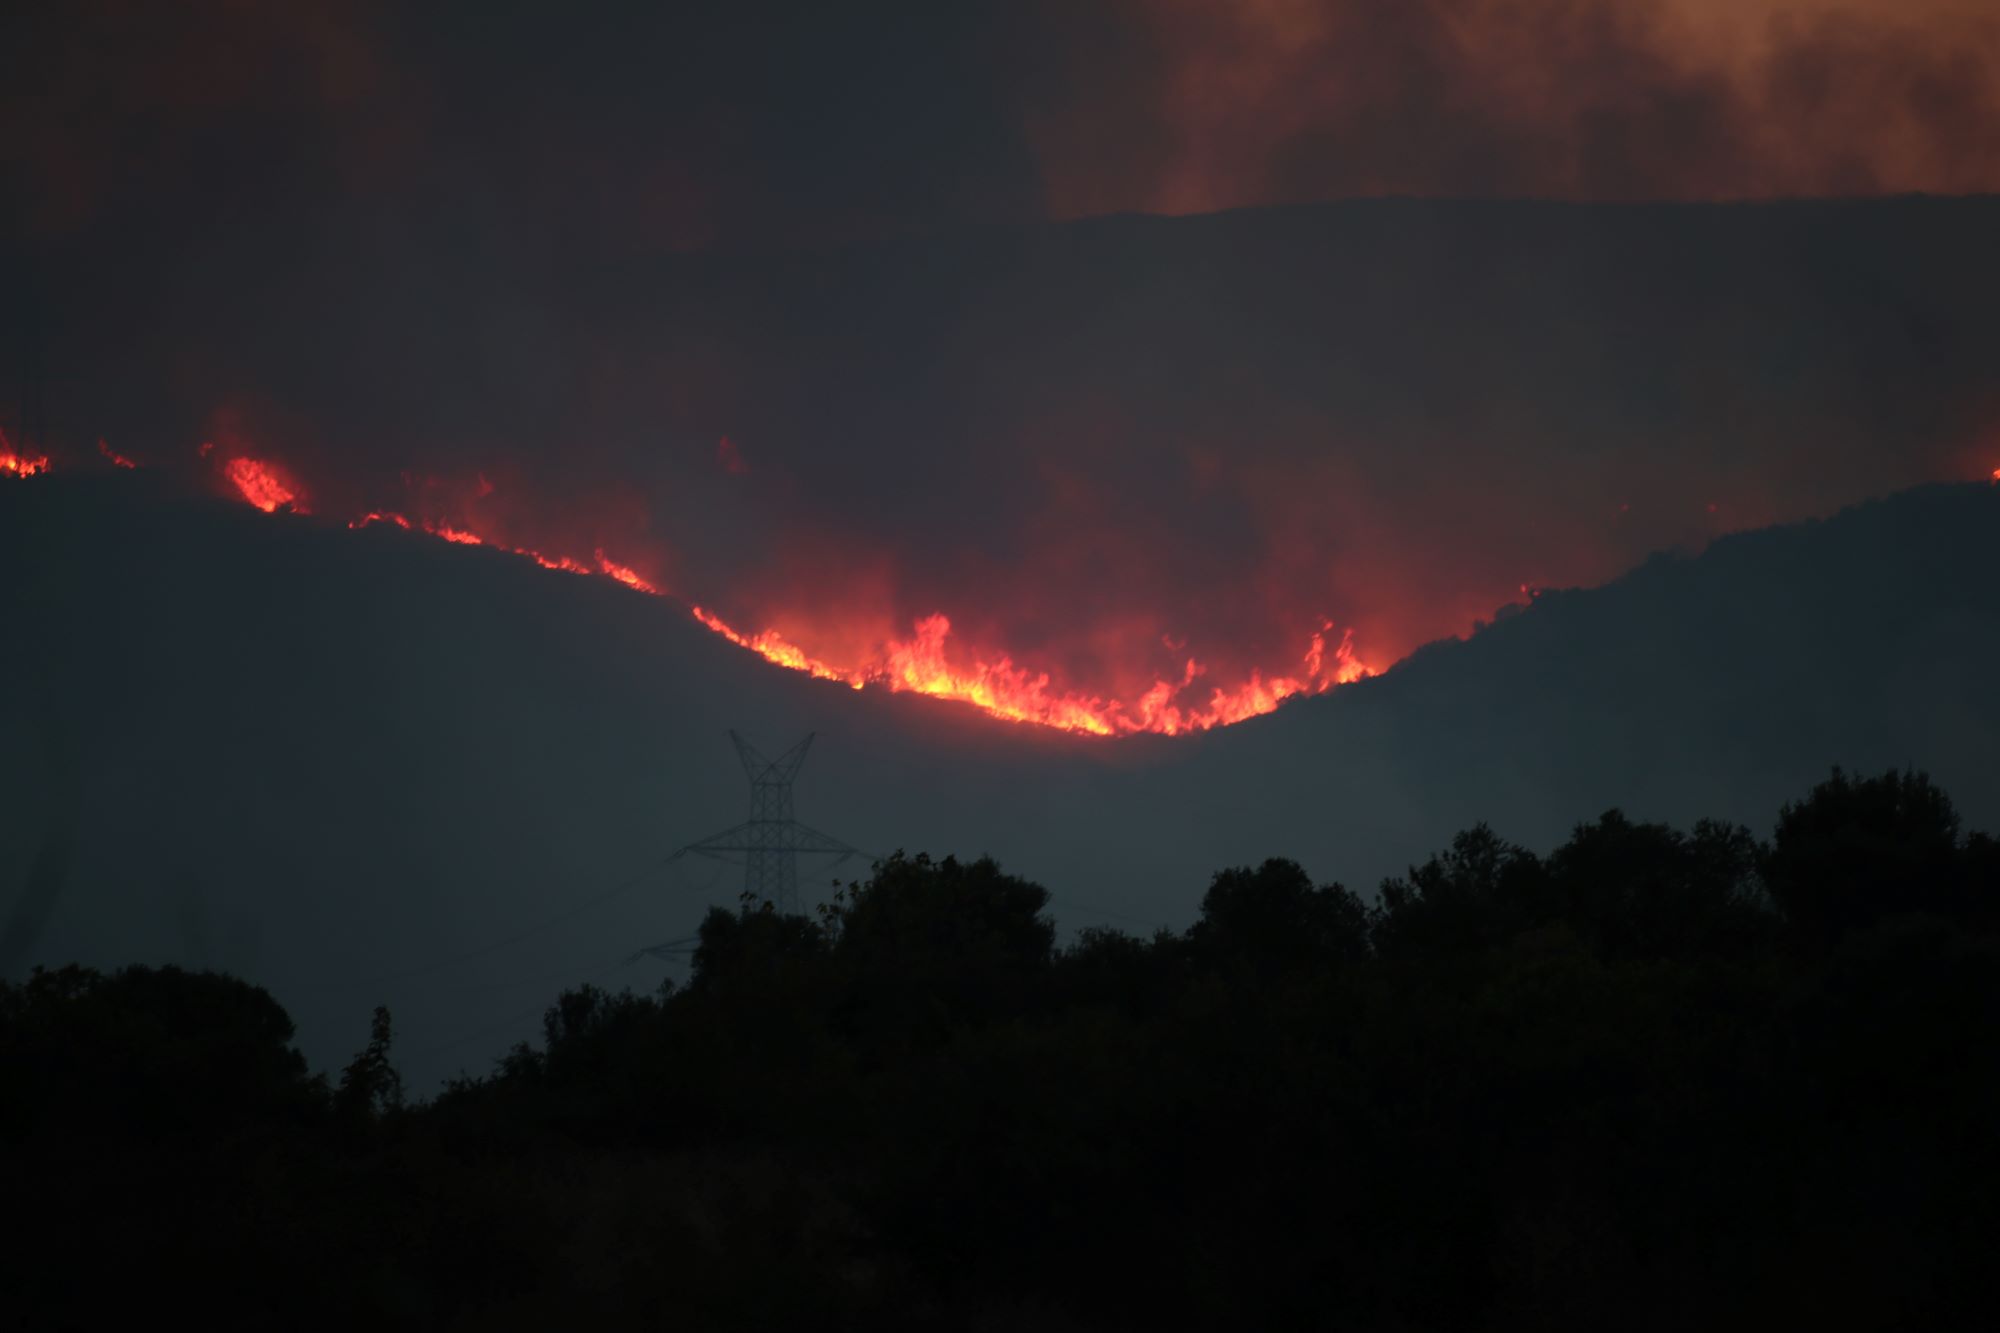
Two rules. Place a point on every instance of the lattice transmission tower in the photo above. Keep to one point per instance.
(771, 841)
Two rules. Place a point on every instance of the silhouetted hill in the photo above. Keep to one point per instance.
(1691, 686)
(348, 760)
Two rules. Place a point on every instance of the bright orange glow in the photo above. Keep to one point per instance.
(462, 535)
(776, 648)
(117, 459)
(459, 535)
(561, 562)
(929, 661)
(262, 486)
(1177, 106)
(623, 573)
(921, 665)
(19, 462)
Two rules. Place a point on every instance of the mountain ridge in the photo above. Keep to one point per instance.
(396, 751)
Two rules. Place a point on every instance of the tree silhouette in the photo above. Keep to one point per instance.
(1856, 850)
(1650, 891)
(1482, 890)
(754, 947)
(1519, 1091)
(1273, 917)
(957, 913)
(925, 945)
(191, 1054)
(370, 1086)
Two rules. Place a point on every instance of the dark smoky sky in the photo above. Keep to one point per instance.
(572, 253)
(1185, 106)
(702, 124)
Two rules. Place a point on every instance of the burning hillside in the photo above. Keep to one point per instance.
(16, 462)
(1092, 673)
(928, 660)
(1133, 475)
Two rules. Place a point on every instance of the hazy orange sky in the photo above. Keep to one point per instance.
(705, 124)
(1186, 106)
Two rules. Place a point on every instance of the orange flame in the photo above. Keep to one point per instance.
(19, 462)
(921, 665)
(928, 662)
(463, 536)
(261, 485)
(776, 648)
(623, 573)
(117, 459)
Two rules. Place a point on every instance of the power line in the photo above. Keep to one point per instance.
(517, 983)
(617, 890)
(510, 1020)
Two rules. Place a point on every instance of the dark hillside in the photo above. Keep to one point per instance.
(345, 761)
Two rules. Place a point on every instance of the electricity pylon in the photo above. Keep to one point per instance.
(771, 841)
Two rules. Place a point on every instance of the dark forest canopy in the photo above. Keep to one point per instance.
(1653, 1078)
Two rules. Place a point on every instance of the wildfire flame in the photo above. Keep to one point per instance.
(262, 486)
(623, 573)
(921, 665)
(926, 662)
(776, 648)
(19, 462)
(117, 459)
(461, 536)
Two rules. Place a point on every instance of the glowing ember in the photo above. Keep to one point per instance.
(117, 459)
(261, 485)
(19, 462)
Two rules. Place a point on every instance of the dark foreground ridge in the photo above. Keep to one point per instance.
(1655, 1079)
